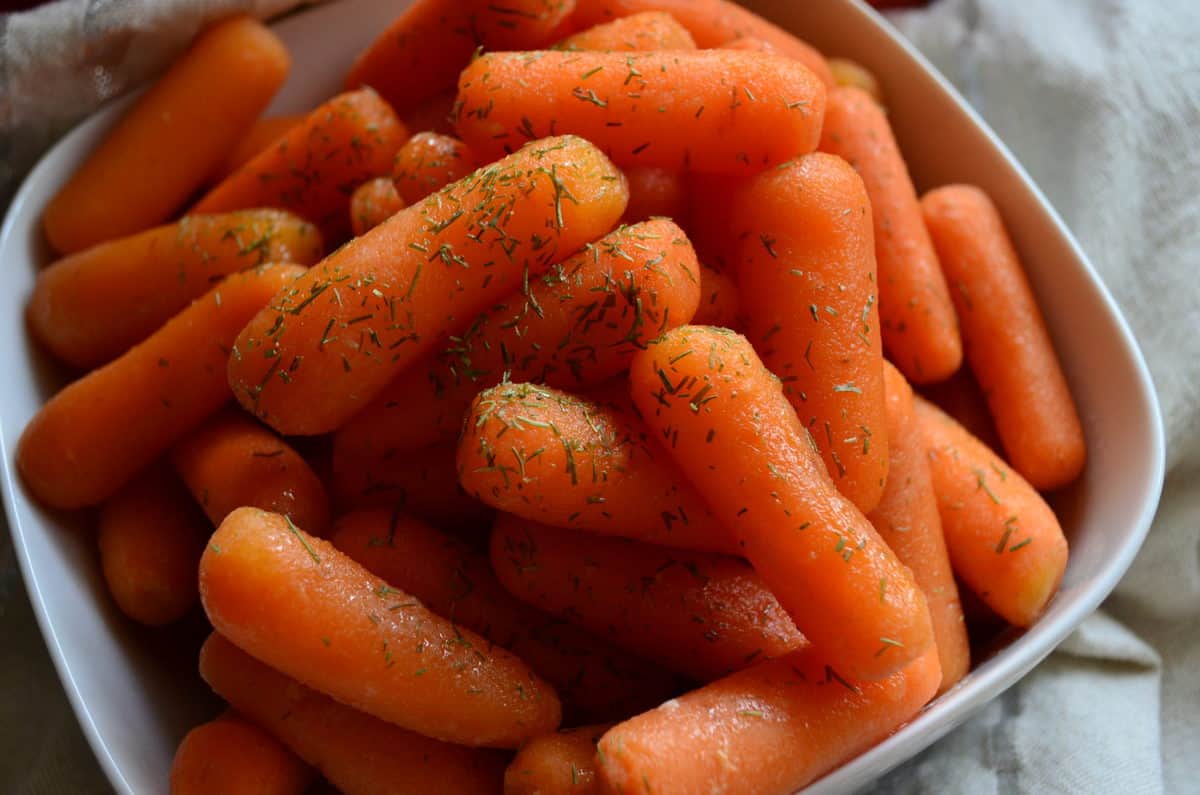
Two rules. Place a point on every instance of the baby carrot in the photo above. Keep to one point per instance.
(806, 271)
(90, 438)
(332, 341)
(422, 482)
(231, 461)
(150, 538)
(920, 331)
(725, 421)
(261, 134)
(232, 756)
(372, 203)
(710, 204)
(551, 457)
(643, 32)
(560, 763)
(741, 113)
(421, 53)
(851, 73)
(428, 162)
(576, 326)
(907, 519)
(92, 306)
(361, 641)
(712, 23)
(654, 192)
(1007, 344)
(961, 398)
(1004, 540)
(172, 139)
(357, 753)
(434, 114)
(720, 301)
(768, 730)
(594, 680)
(754, 44)
(700, 614)
(315, 166)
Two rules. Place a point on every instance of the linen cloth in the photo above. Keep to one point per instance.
(1100, 101)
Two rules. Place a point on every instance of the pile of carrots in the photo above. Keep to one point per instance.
(548, 391)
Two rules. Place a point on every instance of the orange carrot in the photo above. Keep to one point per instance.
(710, 204)
(90, 307)
(712, 23)
(434, 114)
(422, 482)
(576, 326)
(358, 754)
(172, 139)
(421, 53)
(1008, 346)
(720, 301)
(372, 203)
(261, 134)
(741, 113)
(725, 421)
(594, 680)
(232, 756)
(428, 162)
(697, 613)
(332, 341)
(1004, 540)
(557, 764)
(90, 438)
(550, 457)
(907, 519)
(770, 729)
(754, 44)
(649, 30)
(851, 73)
(231, 461)
(920, 331)
(806, 273)
(150, 538)
(313, 169)
(361, 641)
(961, 398)
(654, 192)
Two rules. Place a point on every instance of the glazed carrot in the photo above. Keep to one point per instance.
(330, 343)
(907, 520)
(725, 421)
(422, 482)
(712, 23)
(576, 326)
(261, 134)
(551, 457)
(173, 138)
(961, 398)
(851, 73)
(1004, 540)
(1008, 346)
(421, 53)
(710, 203)
(232, 756)
(920, 331)
(428, 162)
(741, 113)
(90, 438)
(806, 273)
(594, 680)
(361, 641)
(654, 192)
(90, 307)
(358, 754)
(150, 538)
(562, 763)
(649, 30)
(720, 301)
(313, 169)
(768, 730)
(697, 613)
(231, 461)
(754, 44)
(372, 203)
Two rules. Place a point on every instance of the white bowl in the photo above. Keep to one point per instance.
(131, 689)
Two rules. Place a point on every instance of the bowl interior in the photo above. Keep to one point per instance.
(134, 691)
